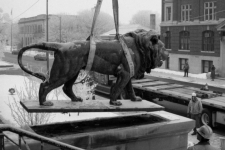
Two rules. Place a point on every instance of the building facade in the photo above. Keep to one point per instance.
(32, 29)
(194, 31)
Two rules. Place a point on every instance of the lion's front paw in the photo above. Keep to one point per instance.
(47, 103)
(77, 99)
(136, 99)
(115, 103)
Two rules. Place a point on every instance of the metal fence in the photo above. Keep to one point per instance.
(23, 133)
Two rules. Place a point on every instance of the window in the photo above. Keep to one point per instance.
(168, 13)
(21, 30)
(168, 63)
(28, 29)
(208, 41)
(206, 66)
(35, 30)
(167, 36)
(22, 41)
(182, 62)
(26, 41)
(41, 30)
(185, 12)
(209, 11)
(184, 40)
(32, 28)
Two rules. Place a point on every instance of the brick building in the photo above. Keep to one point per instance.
(32, 29)
(194, 31)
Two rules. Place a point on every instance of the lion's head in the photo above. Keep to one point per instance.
(159, 54)
(151, 48)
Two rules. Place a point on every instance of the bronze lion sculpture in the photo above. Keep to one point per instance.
(147, 52)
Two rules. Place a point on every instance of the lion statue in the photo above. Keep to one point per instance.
(147, 52)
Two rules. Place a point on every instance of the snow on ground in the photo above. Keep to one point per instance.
(12, 81)
(200, 76)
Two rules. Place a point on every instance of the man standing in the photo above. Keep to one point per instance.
(194, 111)
(213, 72)
(186, 68)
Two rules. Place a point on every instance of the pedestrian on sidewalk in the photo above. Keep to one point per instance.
(204, 134)
(186, 68)
(194, 111)
(213, 72)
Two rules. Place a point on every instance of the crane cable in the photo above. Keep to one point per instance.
(92, 42)
(91, 38)
(121, 39)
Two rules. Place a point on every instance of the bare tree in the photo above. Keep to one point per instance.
(15, 34)
(30, 92)
(104, 23)
(77, 27)
(4, 24)
(62, 28)
(21, 116)
(143, 18)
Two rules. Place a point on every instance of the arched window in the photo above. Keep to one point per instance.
(208, 41)
(167, 36)
(184, 40)
(22, 41)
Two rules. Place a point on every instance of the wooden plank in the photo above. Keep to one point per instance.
(214, 103)
(165, 92)
(219, 98)
(182, 90)
(176, 94)
(150, 88)
(64, 106)
(167, 87)
(153, 83)
(157, 84)
(147, 83)
(202, 91)
(143, 80)
(137, 85)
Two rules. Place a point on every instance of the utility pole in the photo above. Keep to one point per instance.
(60, 28)
(11, 34)
(11, 28)
(47, 53)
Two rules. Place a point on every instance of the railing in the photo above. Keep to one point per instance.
(23, 133)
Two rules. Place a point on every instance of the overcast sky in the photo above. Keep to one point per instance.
(127, 8)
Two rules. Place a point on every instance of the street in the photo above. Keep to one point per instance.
(28, 60)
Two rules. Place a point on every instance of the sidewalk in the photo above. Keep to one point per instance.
(4, 64)
(192, 78)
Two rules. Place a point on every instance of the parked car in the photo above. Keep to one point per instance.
(40, 57)
(15, 52)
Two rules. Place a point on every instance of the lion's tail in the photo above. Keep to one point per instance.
(44, 46)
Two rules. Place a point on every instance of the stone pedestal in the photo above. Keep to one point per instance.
(158, 130)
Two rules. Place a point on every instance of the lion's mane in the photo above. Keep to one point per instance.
(146, 53)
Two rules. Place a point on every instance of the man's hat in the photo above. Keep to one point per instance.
(193, 94)
(205, 131)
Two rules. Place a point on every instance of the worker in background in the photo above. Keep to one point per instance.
(186, 69)
(205, 88)
(204, 134)
(213, 72)
(194, 111)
